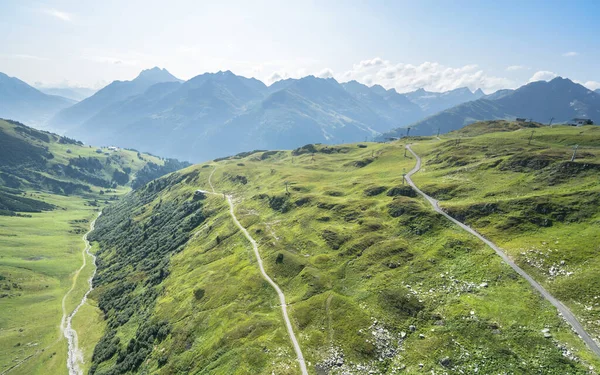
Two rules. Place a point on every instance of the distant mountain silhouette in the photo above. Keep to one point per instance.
(217, 114)
(397, 109)
(21, 102)
(111, 94)
(561, 99)
(433, 102)
(74, 93)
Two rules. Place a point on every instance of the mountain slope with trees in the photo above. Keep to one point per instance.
(51, 188)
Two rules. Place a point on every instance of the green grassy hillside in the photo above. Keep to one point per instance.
(532, 200)
(51, 187)
(375, 280)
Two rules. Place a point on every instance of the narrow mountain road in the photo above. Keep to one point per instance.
(75, 356)
(563, 310)
(282, 302)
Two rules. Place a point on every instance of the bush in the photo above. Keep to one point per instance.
(400, 302)
(402, 190)
(333, 239)
(375, 190)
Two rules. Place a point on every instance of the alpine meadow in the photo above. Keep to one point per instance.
(311, 188)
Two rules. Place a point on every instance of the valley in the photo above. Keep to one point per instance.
(51, 189)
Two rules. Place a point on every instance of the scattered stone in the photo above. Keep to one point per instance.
(445, 362)
(412, 328)
(421, 336)
(483, 285)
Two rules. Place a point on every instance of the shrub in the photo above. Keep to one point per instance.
(375, 190)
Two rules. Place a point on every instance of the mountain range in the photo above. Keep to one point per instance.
(218, 114)
(113, 93)
(433, 102)
(559, 99)
(20, 101)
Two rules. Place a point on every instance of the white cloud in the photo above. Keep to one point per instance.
(64, 16)
(428, 75)
(543, 75)
(277, 76)
(513, 68)
(325, 73)
(570, 54)
(592, 85)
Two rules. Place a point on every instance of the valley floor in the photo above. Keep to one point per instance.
(41, 253)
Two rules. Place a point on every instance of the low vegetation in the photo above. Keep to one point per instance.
(376, 281)
(51, 188)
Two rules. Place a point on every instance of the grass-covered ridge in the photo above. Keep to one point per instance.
(532, 200)
(51, 187)
(376, 281)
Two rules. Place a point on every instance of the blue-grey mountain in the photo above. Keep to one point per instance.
(21, 102)
(73, 93)
(560, 99)
(433, 102)
(113, 93)
(216, 114)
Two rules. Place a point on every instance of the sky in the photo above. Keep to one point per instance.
(406, 45)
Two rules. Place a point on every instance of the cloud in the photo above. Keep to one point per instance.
(277, 76)
(431, 76)
(325, 73)
(570, 54)
(592, 85)
(64, 16)
(543, 75)
(513, 68)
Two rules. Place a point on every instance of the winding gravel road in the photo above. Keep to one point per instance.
(563, 310)
(75, 356)
(282, 302)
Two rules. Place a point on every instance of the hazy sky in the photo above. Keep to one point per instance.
(438, 45)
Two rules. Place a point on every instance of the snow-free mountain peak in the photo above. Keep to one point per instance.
(156, 74)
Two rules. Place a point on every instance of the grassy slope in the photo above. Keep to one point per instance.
(39, 255)
(358, 269)
(531, 201)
